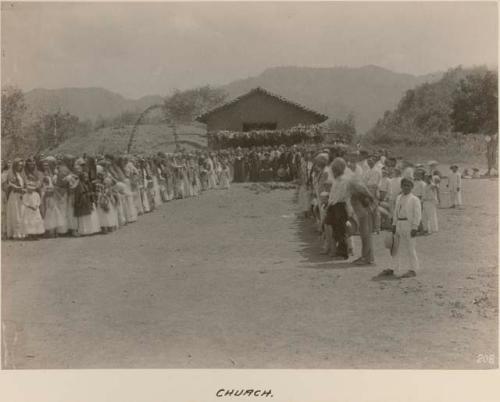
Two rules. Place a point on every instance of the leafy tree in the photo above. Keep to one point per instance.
(184, 106)
(13, 109)
(475, 104)
(346, 129)
(463, 100)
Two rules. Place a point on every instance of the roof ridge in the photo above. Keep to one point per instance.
(202, 118)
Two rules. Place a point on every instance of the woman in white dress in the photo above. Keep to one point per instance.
(53, 219)
(15, 188)
(32, 219)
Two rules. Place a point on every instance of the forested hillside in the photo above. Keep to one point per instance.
(463, 101)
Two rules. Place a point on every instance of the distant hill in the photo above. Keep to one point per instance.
(86, 103)
(366, 91)
(149, 139)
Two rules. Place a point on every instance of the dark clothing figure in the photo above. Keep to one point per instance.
(338, 217)
(239, 169)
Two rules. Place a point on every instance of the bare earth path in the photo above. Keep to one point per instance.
(234, 280)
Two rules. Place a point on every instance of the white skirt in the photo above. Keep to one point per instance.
(137, 202)
(120, 211)
(15, 214)
(157, 195)
(130, 208)
(53, 218)
(89, 224)
(145, 200)
(62, 206)
(108, 219)
(33, 222)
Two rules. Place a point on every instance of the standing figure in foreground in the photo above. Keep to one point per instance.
(405, 223)
(406, 219)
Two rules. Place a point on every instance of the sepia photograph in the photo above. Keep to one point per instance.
(249, 185)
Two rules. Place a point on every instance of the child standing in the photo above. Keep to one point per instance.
(406, 219)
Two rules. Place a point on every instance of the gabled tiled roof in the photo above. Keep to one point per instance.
(203, 118)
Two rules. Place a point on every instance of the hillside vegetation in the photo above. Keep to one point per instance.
(462, 102)
(149, 139)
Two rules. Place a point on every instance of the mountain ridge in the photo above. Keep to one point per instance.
(366, 91)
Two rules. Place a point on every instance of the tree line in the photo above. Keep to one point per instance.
(462, 102)
(26, 132)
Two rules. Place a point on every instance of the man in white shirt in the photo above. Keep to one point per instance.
(339, 208)
(353, 170)
(372, 178)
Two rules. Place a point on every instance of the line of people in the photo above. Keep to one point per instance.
(357, 193)
(68, 196)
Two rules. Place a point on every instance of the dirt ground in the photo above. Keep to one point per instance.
(234, 279)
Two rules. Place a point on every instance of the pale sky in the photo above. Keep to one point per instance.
(138, 49)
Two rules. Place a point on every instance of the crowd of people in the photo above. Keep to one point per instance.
(345, 192)
(349, 193)
(49, 196)
(267, 163)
